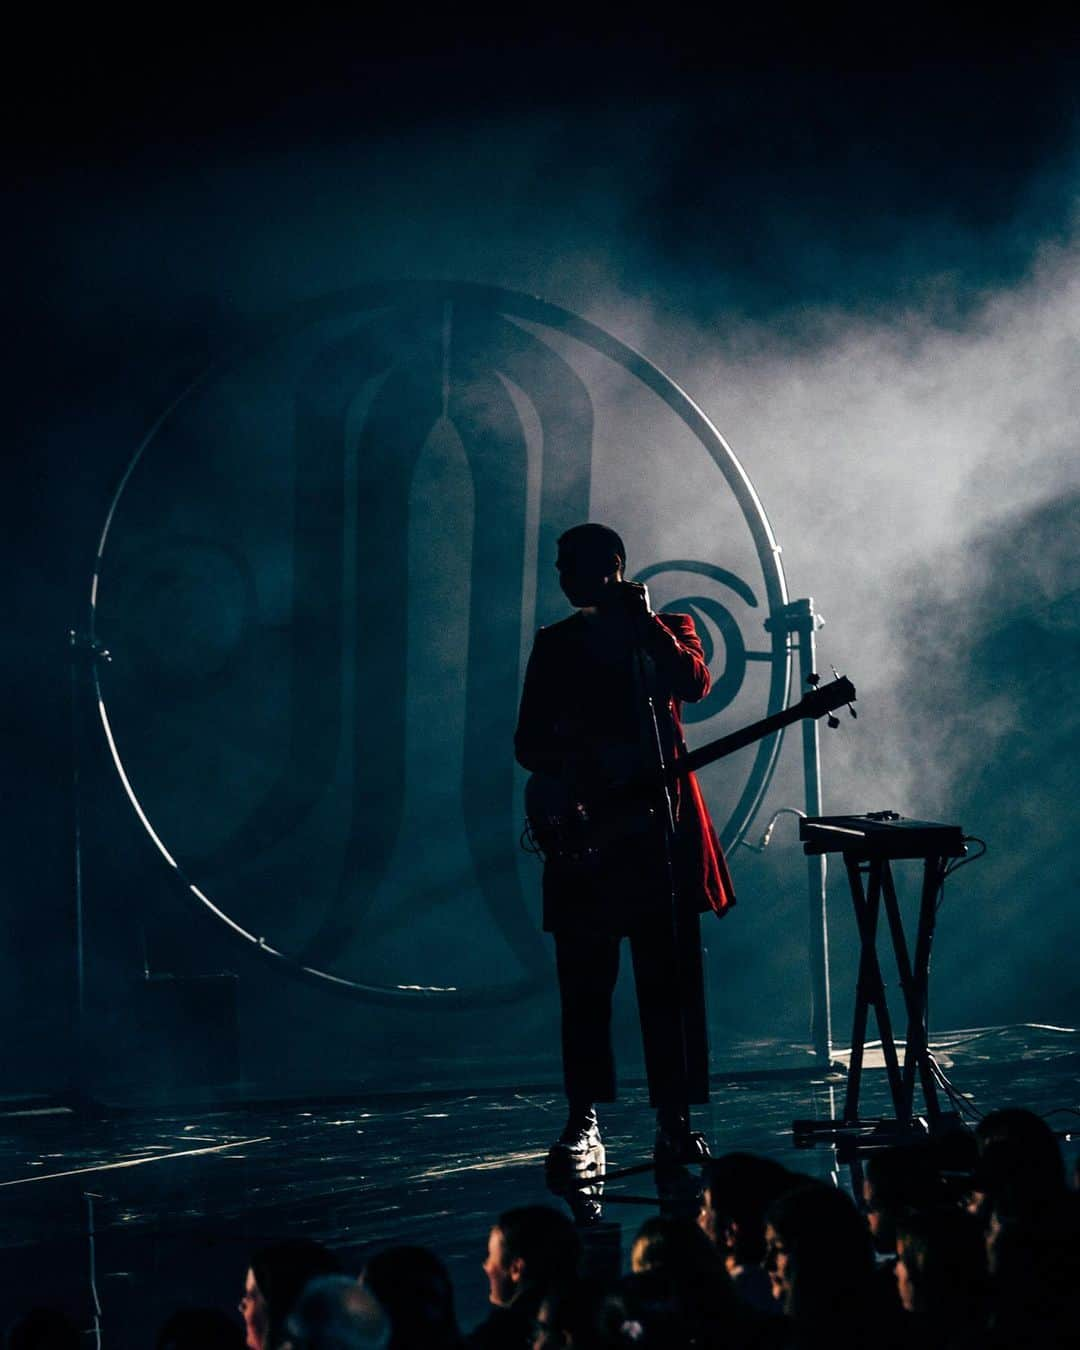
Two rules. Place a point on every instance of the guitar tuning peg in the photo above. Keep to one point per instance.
(813, 679)
(850, 709)
(832, 721)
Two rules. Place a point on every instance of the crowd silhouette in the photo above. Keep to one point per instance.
(976, 1244)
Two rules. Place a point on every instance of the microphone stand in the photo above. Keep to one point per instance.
(651, 728)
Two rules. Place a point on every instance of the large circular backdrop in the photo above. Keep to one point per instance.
(319, 580)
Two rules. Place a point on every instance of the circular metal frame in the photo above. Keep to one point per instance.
(530, 309)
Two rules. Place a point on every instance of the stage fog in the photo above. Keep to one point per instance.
(320, 586)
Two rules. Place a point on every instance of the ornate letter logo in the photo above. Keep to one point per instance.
(319, 580)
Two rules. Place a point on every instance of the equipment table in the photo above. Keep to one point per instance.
(869, 845)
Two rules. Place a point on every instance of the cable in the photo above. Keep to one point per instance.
(957, 863)
(963, 1105)
(967, 1107)
(89, 1197)
(766, 838)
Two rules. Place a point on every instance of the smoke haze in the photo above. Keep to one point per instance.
(874, 296)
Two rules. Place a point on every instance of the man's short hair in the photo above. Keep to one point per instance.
(593, 540)
(544, 1239)
(335, 1313)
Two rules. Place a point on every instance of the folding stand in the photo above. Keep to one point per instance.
(869, 845)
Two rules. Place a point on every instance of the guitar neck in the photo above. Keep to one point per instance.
(727, 745)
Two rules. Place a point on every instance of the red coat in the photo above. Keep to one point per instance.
(572, 702)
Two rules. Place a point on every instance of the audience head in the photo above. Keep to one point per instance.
(738, 1189)
(200, 1329)
(648, 1251)
(941, 1263)
(898, 1182)
(42, 1329)
(1013, 1276)
(1035, 1272)
(414, 1290)
(335, 1313)
(675, 1247)
(531, 1247)
(680, 1291)
(277, 1275)
(585, 1315)
(1020, 1168)
(817, 1252)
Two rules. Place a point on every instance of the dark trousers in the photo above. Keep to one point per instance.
(671, 1005)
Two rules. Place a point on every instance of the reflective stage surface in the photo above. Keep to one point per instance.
(175, 1200)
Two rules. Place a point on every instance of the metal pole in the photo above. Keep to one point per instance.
(798, 618)
(83, 652)
(77, 694)
(805, 622)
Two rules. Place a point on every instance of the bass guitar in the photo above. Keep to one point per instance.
(578, 828)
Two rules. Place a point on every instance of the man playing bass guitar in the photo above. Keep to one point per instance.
(601, 702)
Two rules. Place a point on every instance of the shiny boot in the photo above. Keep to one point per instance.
(575, 1164)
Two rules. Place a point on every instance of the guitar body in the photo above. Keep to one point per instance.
(580, 830)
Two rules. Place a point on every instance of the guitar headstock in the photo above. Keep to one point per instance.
(826, 698)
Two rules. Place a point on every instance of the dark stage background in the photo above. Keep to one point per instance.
(854, 247)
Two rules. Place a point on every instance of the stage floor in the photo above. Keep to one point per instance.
(177, 1199)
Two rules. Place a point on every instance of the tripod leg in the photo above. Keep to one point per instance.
(907, 985)
(914, 980)
(879, 871)
(858, 1030)
(871, 988)
(924, 937)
